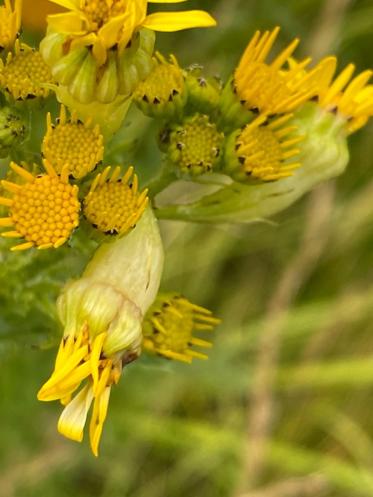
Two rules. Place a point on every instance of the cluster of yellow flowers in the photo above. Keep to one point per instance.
(268, 135)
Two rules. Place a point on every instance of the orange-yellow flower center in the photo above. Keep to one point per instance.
(99, 12)
(45, 211)
(74, 145)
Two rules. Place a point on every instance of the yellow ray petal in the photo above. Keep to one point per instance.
(73, 418)
(176, 21)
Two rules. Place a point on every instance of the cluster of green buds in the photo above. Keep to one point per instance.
(253, 146)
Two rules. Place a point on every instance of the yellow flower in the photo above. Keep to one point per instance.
(102, 315)
(43, 211)
(10, 23)
(195, 145)
(266, 87)
(162, 93)
(114, 204)
(104, 24)
(265, 150)
(351, 98)
(25, 74)
(169, 326)
(72, 144)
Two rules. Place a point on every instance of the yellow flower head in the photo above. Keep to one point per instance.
(72, 144)
(25, 73)
(162, 93)
(104, 24)
(265, 86)
(81, 358)
(43, 211)
(195, 145)
(265, 150)
(10, 23)
(169, 326)
(351, 98)
(102, 314)
(114, 205)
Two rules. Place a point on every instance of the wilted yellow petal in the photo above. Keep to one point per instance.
(74, 416)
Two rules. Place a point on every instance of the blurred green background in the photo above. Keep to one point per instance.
(175, 430)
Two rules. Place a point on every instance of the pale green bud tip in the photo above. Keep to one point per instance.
(195, 146)
(102, 309)
(13, 130)
(203, 93)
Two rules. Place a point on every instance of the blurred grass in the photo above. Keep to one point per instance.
(176, 430)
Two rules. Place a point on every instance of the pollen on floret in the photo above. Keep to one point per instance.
(10, 22)
(73, 144)
(25, 73)
(195, 146)
(265, 150)
(114, 204)
(266, 87)
(169, 328)
(43, 211)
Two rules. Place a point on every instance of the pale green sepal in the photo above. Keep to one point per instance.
(324, 156)
(133, 264)
(108, 116)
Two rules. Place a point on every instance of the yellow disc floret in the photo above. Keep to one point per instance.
(43, 211)
(73, 144)
(25, 73)
(195, 145)
(114, 204)
(10, 22)
(169, 326)
(266, 150)
(265, 86)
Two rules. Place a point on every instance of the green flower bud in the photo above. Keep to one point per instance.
(324, 155)
(163, 93)
(13, 130)
(194, 147)
(233, 114)
(203, 93)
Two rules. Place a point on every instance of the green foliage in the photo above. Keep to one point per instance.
(175, 430)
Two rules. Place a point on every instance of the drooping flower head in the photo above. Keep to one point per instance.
(114, 204)
(73, 144)
(25, 74)
(102, 315)
(10, 23)
(170, 325)
(43, 209)
(264, 150)
(104, 24)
